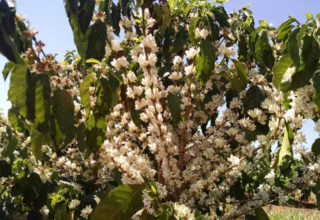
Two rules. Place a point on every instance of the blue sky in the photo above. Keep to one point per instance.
(49, 18)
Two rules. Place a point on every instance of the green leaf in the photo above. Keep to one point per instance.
(192, 28)
(37, 140)
(308, 64)
(79, 35)
(121, 203)
(263, 51)
(92, 60)
(97, 35)
(5, 168)
(9, 147)
(263, 23)
(261, 214)
(17, 93)
(284, 29)
(85, 93)
(221, 16)
(15, 120)
(104, 97)
(198, 215)
(243, 48)
(316, 147)
(254, 97)
(180, 40)
(240, 78)
(279, 70)
(7, 69)
(293, 47)
(86, 8)
(95, 133)
(63, 112)
(286, 151)
(115, 17)
(42, 101)
(205, 61)
(174, 102)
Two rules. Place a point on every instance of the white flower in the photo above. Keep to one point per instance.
(288, 74)
(74, 204)
(235, 161)
(150, 43)
(86, 211)
(191, 53)
(204, 33)
(120, 63)
(131, 76)
(177, 60)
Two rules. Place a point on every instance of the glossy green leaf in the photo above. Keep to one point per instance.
(263, 50)
(85, 93)
(121, 203)
(174, 102)
(95, 133)
(205, 61)
(279, 70)
(17, 93)
(180, 40)
(221, 16)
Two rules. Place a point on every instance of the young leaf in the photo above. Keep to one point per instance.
(7, 69)
(121, 203)
(261, 214)
(286, 150)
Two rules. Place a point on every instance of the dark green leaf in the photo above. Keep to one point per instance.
(221, 16)
(116, 17)
(37, 140)
(121, 203)
(97, 35)
(263, 51)
(261, 214)
(293, 47)
(15, 120)
(85, 93)
(316, 147)
(86, 8)
(279, 70)
(7, 69)
(18, 87)
(205, 61)
(104, 97)
(63, 111)
(5, 168)
(180, 40)
(254, 97)
(9, 147)
(174, 102)
(198, 215)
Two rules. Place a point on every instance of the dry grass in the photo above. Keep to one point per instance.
(288, 213)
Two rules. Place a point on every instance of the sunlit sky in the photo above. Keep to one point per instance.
(49, 18)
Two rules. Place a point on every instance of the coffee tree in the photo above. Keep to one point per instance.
(168, 110)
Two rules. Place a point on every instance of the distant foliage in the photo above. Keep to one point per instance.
(169, 109)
